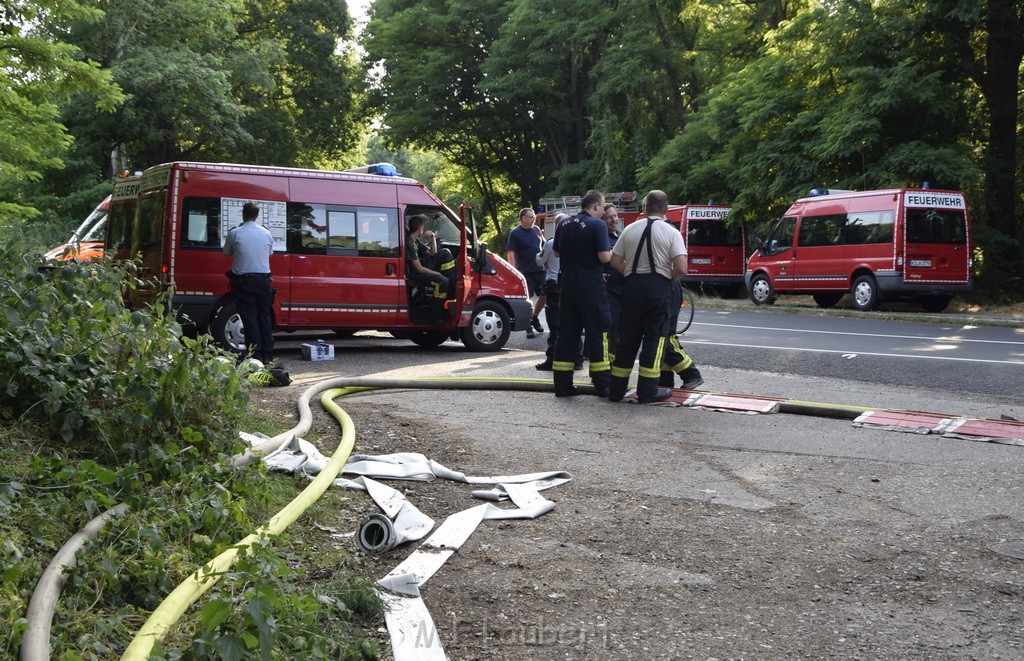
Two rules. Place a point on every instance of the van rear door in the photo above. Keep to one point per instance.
(936, 236)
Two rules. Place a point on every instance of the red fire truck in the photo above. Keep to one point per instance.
(339, 258)
(875, 245)
(716, 250)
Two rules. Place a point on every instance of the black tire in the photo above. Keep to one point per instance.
(827, 299)
(429, 339)
(864, 293)
(935, 304)
(227, 329)
(685, 312)
(489, 328)
(761, 290)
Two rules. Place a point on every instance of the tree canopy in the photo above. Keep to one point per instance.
(749, 103)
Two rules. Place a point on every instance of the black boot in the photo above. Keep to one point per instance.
(691, 377)
(563, 384)
(617, 387)
(648, 392)
(600, 381)
(668, 379)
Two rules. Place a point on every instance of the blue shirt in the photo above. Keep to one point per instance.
(577, 242)
(525, 243)
(250, 246)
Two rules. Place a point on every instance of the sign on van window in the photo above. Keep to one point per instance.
(707, 213)
(273, 216)
(919, 199)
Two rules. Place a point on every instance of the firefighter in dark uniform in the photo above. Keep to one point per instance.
(613, 280)
(651, 255)
(581, 243)
(676, 361)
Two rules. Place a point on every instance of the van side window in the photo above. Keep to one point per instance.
(201, 223)
(307, 228)
(324, 229)
(378, 232)
(868, 227)
(781, 238)
(820, 230)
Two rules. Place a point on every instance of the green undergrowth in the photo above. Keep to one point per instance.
(101, 406)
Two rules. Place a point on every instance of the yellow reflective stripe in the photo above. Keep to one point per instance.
(685, 362)
(621, 371)
(447, 265)
(650, 372)
(658, 353)
(605, 352)
(600, 366)
(563, 366)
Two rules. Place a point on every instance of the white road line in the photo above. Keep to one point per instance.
(942, 338)
(847, 351)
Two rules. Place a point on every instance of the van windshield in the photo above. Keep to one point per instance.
(439, 223)
(936, 226)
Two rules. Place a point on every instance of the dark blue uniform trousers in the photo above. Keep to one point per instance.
(584, 307)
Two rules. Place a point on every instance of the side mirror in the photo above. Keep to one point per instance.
(480, 262)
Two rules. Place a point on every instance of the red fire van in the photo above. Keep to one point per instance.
(877, 245)
(339, 258)
(716, 250)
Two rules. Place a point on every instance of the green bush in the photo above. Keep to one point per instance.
(122, 386)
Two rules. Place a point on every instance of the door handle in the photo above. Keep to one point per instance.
(390, 269)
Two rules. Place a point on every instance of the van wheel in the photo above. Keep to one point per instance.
(429, 339)
(864, 293)
(489, 327)
(827, 299)
(227, 329)
(761, 290)
(935, 304)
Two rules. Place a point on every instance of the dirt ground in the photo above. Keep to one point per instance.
(815, 562)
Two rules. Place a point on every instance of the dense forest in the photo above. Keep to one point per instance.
(502, 102)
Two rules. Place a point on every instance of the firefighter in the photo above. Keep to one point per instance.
(650, 254)
(430, 267)
(581, 244)
(675, 360)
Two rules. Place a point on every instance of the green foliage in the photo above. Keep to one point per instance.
(36, 74)
(261, 608)
(72, 357)
(101, 405)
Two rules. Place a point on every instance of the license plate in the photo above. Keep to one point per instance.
(921, 263)
(700, 260)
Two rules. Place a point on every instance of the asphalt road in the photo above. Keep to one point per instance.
(837, 541)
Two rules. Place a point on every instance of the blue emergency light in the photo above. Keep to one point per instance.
(382, 169)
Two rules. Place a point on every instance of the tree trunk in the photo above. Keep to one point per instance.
(999, 85)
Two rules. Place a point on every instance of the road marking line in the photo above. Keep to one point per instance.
(859, 353)
(944, 338)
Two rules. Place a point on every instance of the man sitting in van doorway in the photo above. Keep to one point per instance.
(432, 268)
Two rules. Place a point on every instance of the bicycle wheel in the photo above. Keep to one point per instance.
(685, 312)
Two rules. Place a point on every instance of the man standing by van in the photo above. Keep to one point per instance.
(250, 246)
(651, 255)
(524, 242)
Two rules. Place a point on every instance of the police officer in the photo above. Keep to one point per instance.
(250, 246)
(650, 254)
(581, 244)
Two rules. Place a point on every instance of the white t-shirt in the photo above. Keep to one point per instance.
(666, 241)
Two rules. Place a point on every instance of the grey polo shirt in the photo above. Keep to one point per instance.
(250, 246)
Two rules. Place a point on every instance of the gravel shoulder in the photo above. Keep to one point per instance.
(698, 534)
